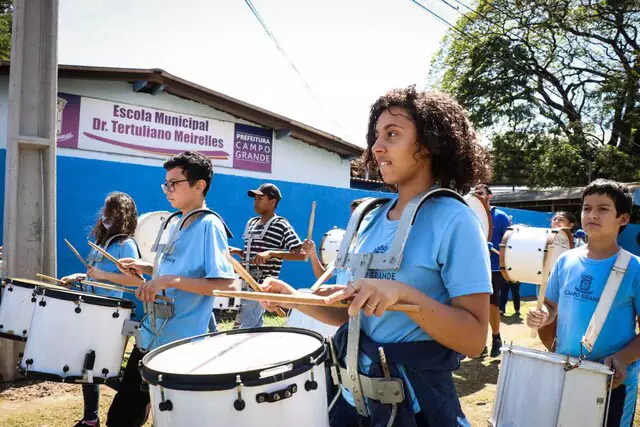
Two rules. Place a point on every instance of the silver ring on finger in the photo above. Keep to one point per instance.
(369, 305)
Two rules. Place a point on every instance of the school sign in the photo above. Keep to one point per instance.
(113, 127)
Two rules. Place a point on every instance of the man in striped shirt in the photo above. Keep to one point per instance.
(268, 240)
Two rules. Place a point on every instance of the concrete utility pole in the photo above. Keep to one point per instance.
(30, 181)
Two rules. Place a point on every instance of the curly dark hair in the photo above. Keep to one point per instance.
(195, 166)
(444, 129)
(121, 209)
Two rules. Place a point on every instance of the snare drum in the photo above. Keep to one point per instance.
(482, 211)
(330, 245)
(525, 251)
(535, 390)
(271, 377)
(18, 303)
(76, 336)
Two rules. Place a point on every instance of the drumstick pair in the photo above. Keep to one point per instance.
(108, 286)
(306, 300)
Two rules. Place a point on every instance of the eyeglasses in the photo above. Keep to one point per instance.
(170, 186)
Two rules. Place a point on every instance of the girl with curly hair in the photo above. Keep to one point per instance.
(419, 141)
(113, 231)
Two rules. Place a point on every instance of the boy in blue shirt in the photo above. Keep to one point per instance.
(576, 285)
(501, 223)
(197, 265)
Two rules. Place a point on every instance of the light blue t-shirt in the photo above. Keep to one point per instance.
(123, 248)
(500, 222)
(576, 284)
(199, 252)
(445, 257)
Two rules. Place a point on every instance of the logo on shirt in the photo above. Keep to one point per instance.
(382, 249)
(585, 284)
(583, 291)
(170, 260)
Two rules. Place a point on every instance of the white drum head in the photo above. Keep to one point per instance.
(148, 226)
(330, 245)
(480, 208)
(234, 353)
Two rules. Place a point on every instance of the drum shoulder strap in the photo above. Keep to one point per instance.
(210, 212)
(606, 299)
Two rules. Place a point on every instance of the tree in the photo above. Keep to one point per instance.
(566, 71)
(6, 14)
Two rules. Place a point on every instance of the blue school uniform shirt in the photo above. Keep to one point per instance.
(199, 252)
(445, 257)
(123, 248)
(500, 224)
(576, 284)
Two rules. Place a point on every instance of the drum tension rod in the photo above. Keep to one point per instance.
(311, 384)
(239, 404)
(164, 405)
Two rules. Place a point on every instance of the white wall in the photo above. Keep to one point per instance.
(293, 160)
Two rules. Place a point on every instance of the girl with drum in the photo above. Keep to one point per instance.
(419, 141)
(114, 232)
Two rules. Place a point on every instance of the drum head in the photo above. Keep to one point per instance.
(148, 226)
(330, 245)
(214, 361)
(482, 211)
(561, 241)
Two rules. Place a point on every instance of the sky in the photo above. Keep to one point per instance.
(349, 51)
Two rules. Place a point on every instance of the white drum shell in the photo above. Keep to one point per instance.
(147, 230)
(330, 245)
(524, 252)
(209, 408)
(16, 311)
(298, 319)
(534, 390)
(227, 354)
(61, 337)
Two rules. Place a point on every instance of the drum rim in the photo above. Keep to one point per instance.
(17, 281)
(13, 337)
(228, 381)
(76, 379)
(99, 300)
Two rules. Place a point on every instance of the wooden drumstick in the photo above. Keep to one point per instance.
(495, 251)
(312, 218)
(323, 278)
(121, 289)
(246, 276)
(52, 279)
(111, 258)
(306, 300)
(77, 254)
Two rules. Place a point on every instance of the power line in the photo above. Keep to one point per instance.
(630, 144)
(284, 54)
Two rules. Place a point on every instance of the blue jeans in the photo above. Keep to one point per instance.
(91, 394)
(250, 315)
